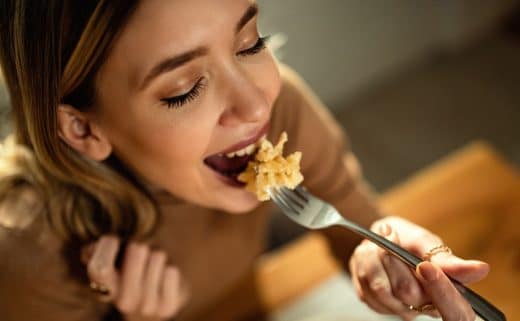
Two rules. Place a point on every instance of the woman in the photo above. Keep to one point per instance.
(115, 185)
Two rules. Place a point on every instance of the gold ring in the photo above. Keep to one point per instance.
(436, 250)
(99, 288)
(423, 308)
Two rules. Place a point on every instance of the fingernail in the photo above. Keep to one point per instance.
(427, 271)
(477, 262)
(385, 229)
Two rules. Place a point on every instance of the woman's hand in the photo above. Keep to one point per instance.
(145, 288)
(389, 286)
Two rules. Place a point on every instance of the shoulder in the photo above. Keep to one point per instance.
(40, 273)
(298, 99)
(38, 280)
(26, 259)
(294, 101)
(293, 87)
(298, 109)
(37, 275)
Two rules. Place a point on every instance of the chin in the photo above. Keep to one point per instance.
(240, 206)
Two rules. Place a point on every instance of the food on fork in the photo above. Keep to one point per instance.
(269, 169)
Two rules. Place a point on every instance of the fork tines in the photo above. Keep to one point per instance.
(292, 201)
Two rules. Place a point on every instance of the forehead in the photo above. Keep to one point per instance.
(161, 28)
(184, 16)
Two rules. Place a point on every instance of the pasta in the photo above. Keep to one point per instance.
(270, 169)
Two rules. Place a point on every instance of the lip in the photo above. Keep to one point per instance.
(232, 181)
(263, 131)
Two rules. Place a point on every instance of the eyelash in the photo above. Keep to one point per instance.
(179, 101)
(260, 45)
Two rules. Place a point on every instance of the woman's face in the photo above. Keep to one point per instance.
(187, 82)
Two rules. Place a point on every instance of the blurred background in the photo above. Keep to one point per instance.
(410, 80)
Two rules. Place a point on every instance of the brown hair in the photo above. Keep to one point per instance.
(50, 52)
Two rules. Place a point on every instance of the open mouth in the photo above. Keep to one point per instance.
(230, 168)
(230, 163)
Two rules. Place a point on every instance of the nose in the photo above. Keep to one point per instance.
(247, 103)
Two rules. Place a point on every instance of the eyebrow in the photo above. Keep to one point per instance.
(251, 12)
(171, 63)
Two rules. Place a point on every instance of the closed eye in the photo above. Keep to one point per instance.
(259, 46)
(181, 100)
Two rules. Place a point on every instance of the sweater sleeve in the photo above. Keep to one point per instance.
(330, 169)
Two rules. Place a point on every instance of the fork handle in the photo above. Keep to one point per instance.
(481, 306)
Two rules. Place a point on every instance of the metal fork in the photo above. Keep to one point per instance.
(309, 211)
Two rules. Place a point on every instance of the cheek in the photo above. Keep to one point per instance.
(274, 86)
(180, 143)
(169, 154)
(159, 140)
(267, 77)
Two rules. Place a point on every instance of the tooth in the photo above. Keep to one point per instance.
(241, 152)
(230, 155)
(250, 149)
(259, 142)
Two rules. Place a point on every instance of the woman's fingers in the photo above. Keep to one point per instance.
(132, 277)
(364, 292)
(173, 295)
(153, 283)
(426, 244)
(404, 290)
(405, 286)
(101, 265)
(464, 271)
(144, 289)
(434, 288)
(372, 283)
(448, 301)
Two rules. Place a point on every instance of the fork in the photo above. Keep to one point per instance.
(311, 212)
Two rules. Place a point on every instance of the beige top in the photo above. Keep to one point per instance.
(42, 279)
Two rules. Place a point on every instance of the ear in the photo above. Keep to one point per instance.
(78, 131)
